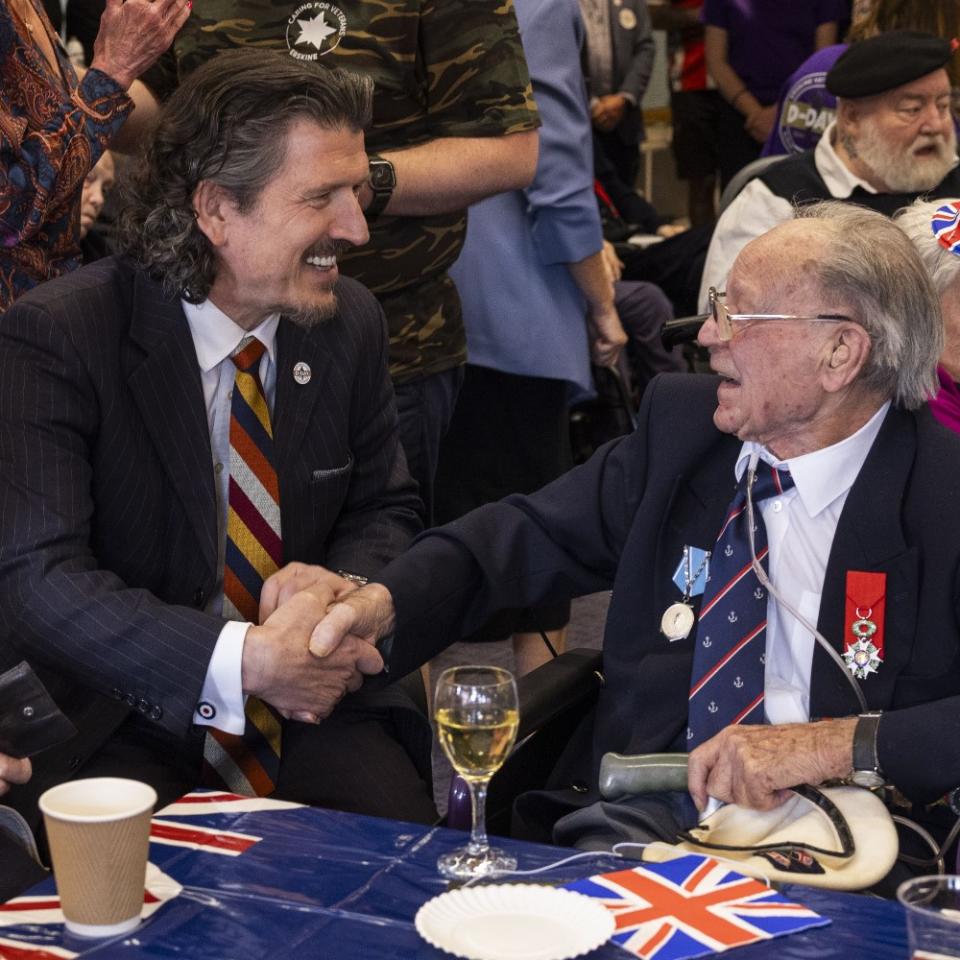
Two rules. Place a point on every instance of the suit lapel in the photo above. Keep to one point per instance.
(295, 400)
(870, 537)
(164, 380)
(694, 516)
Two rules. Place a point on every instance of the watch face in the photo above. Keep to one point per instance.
(867, 778)
(381, 175)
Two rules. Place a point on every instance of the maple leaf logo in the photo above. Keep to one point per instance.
(315, 31)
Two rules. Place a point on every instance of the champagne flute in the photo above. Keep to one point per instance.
(477, 717)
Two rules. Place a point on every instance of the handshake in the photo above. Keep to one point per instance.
(315, 642)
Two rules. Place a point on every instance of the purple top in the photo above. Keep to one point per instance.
(805, 106)
(768, 39)
(945, 406)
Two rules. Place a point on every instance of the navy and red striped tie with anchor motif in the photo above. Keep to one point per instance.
(729, 655)
(249, 764)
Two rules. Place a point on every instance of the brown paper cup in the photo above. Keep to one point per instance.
(99, 833)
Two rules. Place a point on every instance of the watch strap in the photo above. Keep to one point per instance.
(865, 756)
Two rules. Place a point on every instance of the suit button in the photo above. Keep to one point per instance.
(27, 712)
(156, 713)
(116, 693)
(199, 597)
(143, 706)
(131, 700)
(73, 763)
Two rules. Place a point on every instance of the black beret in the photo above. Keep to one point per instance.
(886, 61)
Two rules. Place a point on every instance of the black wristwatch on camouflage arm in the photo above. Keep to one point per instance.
(383, 180)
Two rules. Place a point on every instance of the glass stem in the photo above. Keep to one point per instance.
(478, 830)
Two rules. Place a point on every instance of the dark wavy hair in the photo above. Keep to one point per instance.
(227, 123)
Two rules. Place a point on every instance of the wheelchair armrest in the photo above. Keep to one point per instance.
(644, 773)
(561, 686)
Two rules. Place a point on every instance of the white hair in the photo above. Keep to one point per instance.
(870, 264)
(915, 221)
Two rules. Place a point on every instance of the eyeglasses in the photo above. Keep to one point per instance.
(724, 319)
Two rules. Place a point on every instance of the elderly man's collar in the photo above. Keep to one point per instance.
(825, 474)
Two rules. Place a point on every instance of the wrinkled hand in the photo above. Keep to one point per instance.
(612, 263)
(760, 122)
(282, 666)
(366, 615)
(13, 771)
(608, 111)
(756, 764)
(133, 34)
(607, 336)
(295, 577)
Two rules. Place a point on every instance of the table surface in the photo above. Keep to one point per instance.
(250, 878)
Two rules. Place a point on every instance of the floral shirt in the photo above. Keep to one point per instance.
(53, 129)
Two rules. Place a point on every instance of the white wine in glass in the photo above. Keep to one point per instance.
(477, 718)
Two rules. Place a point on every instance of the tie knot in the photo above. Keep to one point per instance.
(769, 481)
(248, 354)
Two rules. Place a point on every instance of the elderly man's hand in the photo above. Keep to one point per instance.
(296, 577)
(13, 771)
(366, 615)
(133, 34)
(755, 764)
(281, 666)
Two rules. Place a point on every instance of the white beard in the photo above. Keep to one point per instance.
(905, 172)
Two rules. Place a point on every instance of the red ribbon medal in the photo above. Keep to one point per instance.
(863, 622)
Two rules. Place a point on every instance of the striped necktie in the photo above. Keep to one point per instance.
(249, 764)
(730, 651)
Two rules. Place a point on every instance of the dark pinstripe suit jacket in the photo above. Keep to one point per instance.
(107, 505)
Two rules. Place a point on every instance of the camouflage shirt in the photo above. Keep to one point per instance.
(442, 68)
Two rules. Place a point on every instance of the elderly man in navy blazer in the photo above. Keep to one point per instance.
(825, 343)
(205, 416)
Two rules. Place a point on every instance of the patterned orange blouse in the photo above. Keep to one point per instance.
(53, 129)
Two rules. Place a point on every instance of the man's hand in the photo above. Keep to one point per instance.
(13, 771)
(281, 666)
(296, 577)
(365, 615)
(608, 111)
(133, 34)
(607, 336)
(755, 764)
(612, 263)
(760, 122)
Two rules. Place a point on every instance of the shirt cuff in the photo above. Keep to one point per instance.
(221, 699)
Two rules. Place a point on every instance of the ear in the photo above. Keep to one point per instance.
(847, 352)
(213, 208)
(848, 117)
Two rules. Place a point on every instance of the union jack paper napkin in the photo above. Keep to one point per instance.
(692, 906)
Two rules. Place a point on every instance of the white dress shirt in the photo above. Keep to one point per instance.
(215, 339)
(800, 527)
(757, 209)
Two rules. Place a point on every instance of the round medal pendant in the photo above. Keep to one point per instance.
(677, 621)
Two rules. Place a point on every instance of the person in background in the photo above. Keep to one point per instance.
(619, 59)
(697, 110)
(54, 126)
(751, 48)
(893, 139)
(806, 107)
(934, 228)
(538, 305)
(453, 122)
(97, 185)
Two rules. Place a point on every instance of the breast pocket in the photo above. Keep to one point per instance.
(328, 474)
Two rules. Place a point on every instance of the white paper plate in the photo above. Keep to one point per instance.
(514, 921)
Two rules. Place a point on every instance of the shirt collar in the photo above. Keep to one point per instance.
(837, 176)
(216, 336)
(826, 474)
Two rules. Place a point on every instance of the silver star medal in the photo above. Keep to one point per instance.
(678, 619)
(862, 657)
